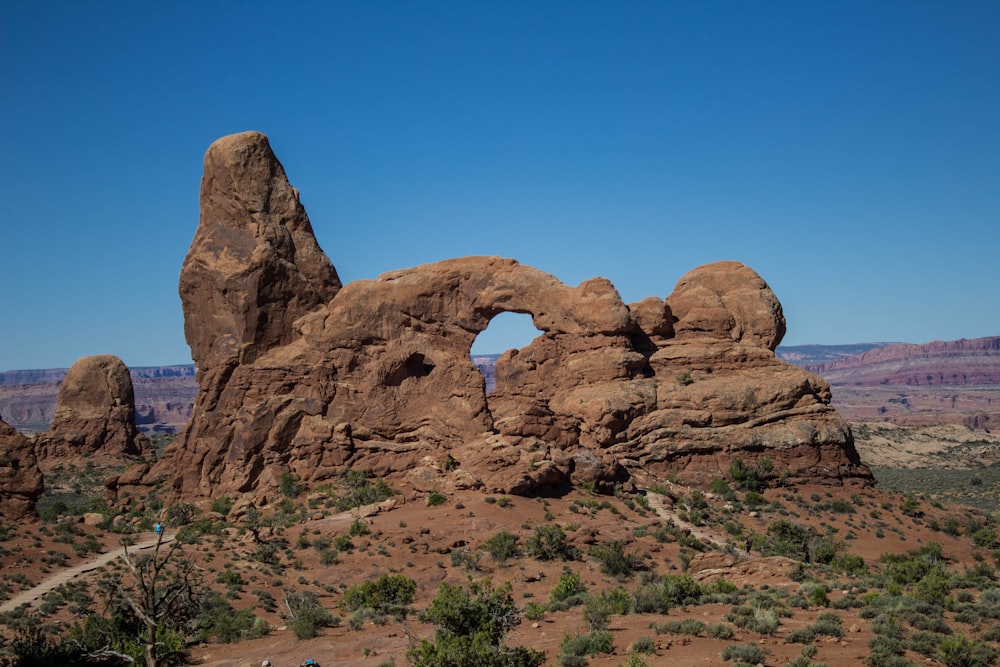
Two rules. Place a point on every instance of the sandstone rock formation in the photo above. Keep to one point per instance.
(95, 413)
(164, 397)
(299, 374)
(20, 479)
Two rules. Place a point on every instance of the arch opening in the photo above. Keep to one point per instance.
(505, 331)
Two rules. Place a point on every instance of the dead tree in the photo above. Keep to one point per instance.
(163, 592)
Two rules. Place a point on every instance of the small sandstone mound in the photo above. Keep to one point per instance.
(20, 479)
(299, 374)
(95, 413)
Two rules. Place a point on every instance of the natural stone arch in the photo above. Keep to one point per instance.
(297, 374)
(506, 331)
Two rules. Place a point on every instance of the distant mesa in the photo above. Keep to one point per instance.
(942, 382)
(964, 362)
(300, 374)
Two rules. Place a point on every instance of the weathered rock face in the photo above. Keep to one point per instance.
(300, 374)
(95, 413)
(20, 479)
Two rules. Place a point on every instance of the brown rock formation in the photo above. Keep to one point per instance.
(298, 374)
(20, 478)
(95, 413)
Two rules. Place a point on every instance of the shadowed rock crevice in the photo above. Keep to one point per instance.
(301, 374)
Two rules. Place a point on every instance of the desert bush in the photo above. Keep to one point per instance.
(180, 514)
(923, 642)
(749, 654)
(751, 477)
(828, 624)
(222, 505)
(472, 624)
(615, 561)
(465, 558)
(688, 626)
(644, 645)
(575, 648)
(759, 620)
(389, 594)
(850, 564)
(598, 608)
(549, 543)
(306, 616)
(960, 651)
(218, 619)
(502, 546)
(534, 611)
(912, 566)
(358, 528)
(659, 595)
(719, 631)
(804, 635)
(435, 498)
(569, 587)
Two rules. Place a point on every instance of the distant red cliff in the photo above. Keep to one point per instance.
(964, 362)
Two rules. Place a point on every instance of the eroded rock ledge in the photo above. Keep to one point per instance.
(300, 374)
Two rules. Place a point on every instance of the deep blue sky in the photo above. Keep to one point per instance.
(847, 151)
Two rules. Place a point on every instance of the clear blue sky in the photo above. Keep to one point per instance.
(847, 151)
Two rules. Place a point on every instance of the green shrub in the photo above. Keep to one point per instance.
(597, 609)
(471, 626)
(615, 561)
(828, 624)
(575, 648)
(180, 514)
(803, 635)
(751, 477)
(688, 626)
(549, 543)
(290, 485)
(358, 528)
(502, 546)
(850, 564)
(306, 616)
(960, 651)
(644, 645)
(750, 654)
(389, 594)
(465, 558)
(222, 505)
(569, 586)
(659, 595)
(719, 631)
(435, 498)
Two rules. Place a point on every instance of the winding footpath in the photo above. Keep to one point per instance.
(33, 595)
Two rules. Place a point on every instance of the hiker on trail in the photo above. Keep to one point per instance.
(748, 546)
(158, 528)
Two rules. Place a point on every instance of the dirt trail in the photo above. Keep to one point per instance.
(33, 595)
(657, 505)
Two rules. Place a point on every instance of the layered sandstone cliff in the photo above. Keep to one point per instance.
(964, 362)
(299, 374)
